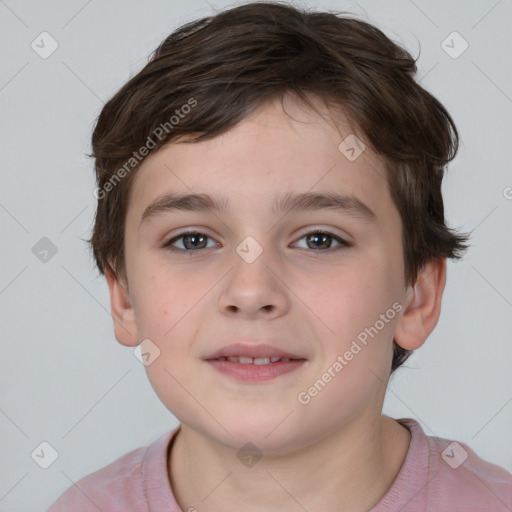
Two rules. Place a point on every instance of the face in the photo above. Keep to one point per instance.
(253, 275)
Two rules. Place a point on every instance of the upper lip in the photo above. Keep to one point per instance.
(246, 350)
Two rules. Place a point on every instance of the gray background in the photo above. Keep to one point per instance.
(65, 379)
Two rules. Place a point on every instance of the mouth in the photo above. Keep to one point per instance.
(254, 363)
(246, 353)
(255, 360)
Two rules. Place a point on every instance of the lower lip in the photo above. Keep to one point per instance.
(256, 372)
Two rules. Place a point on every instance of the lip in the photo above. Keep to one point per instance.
(252, 373)
(251, 350)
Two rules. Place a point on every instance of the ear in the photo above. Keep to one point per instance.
(423, 306)
(125, 327)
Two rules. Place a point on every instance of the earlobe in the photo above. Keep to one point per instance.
(423, 306)
(125, 328)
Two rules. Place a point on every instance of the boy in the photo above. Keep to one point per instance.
(270, 224)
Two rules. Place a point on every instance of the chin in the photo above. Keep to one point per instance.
(269, 436)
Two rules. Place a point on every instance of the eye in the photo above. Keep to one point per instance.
(320, 240)
(192, 241)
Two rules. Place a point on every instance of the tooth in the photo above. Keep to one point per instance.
(274, 359)
(233, 359)
(245, 360)
(261, 360)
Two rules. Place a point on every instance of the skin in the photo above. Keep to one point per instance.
(338, 451)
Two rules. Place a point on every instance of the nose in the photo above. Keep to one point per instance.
(254, 290)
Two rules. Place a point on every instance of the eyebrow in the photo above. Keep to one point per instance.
(286, 203)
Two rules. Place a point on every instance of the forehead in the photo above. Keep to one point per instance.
(279, 150)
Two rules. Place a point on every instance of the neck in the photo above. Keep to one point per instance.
(351, 469)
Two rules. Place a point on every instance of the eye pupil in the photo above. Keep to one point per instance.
(315, 237)
(194, 236)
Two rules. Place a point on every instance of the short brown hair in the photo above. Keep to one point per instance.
(223, 67)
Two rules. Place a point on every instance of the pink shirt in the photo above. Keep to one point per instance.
(433, 477)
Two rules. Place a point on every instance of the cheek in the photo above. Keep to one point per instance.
(165, 300)
(359, 307)
(348, 295)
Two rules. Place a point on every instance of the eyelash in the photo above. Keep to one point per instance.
(343, 243)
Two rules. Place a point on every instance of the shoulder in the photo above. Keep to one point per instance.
(119, 486)
(468, 479)
(457, 478)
